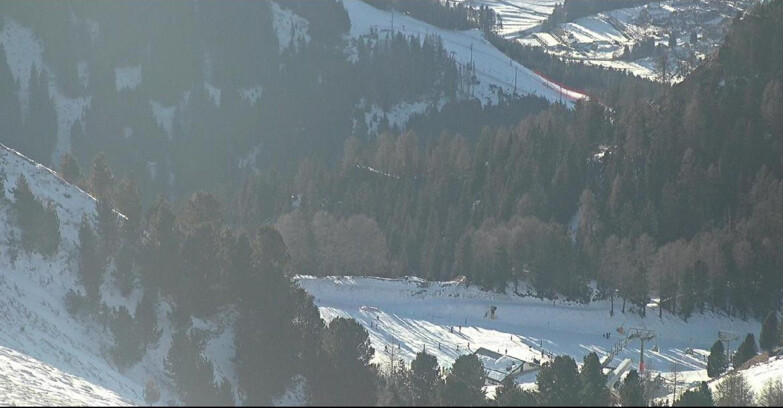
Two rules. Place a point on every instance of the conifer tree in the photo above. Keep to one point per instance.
(594, 391)
(746, 351)
(127, 345)
(631, 390)
(160, 248)
(425, 379)
(128, 203)
(91, 262)
(717, 362)
(464, 383)
(768, 339)
(26, 209)
(559, 383)
(101, 183)
(107, 228)
(10, 109)
(48, 231)
(3, 179)
(509, 394)
(70, 169)
(193, 373)
(40, 126)
(700, 397)
(146, 319)
(346, 376)
(124, 272)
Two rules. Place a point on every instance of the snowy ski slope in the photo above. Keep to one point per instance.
(417, 314)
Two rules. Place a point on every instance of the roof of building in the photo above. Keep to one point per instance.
(496, 365)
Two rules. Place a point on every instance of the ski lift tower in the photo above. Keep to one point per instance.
(727, 337)
(635, 333)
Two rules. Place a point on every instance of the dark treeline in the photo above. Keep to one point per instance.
(186, 256)
(680, 196)
(420, 67)
(450, 15)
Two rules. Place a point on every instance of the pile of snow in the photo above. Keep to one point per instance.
(448, 319)
(127, 77)
(27, 381)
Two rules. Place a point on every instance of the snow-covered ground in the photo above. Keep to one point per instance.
(408, 315)
(34, 321)
(517, 16)
(600, 39)
(289, 26)
(760, 374)
(26, 381)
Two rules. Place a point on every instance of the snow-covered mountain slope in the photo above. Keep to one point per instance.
(493, 69)
(26, 381)
(33, 319)
(417, 314)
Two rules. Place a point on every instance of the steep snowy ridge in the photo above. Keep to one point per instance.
(33, 319)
